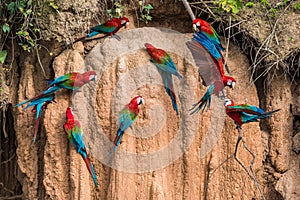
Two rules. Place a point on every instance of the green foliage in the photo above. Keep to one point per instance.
(297, 6)
(3, 55)
(21, 20)
(145, 12)
(117, 11)
(232, 6)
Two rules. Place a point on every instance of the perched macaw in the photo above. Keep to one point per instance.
(210, 70)
(75, 135)
(204, 27)
(71, 81)
(127, 117)
(245, 113)
(40, 105)
(166, 66)
(108, 28)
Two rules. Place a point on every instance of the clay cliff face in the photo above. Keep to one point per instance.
(162, 156)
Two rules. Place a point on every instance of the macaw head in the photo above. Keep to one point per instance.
(124, 21)
(228, 102)
(138, 100)
(89, 76)
(197, 23)
(69, 114)
(149, 46)
(229, 81)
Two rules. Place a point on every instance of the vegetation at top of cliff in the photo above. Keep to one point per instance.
(20, 21)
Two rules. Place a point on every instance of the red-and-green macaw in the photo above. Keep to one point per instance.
(75, 135)
(166, 66)
(210, 70)
(245, 113)
(39, 106)
(109, 28)
(71, 81)
(204, 27)
(127, 117)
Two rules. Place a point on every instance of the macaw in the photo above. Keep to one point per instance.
(245, 113)
(204, 27)
(71, 81)
(166, 66)
(127, 117)
(210, 70)
(75, 134)
(108, 28)
(39, 106)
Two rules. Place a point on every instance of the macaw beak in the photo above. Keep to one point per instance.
(92, 77)
(232, 85)
(195, 27)
(127, 24)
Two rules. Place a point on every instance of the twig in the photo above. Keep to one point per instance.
(20, 196)
(228, 40)
(253, 177)
(188, 8)
(8, 160)
(39, 61)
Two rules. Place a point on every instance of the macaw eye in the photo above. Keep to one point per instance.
(123, 22)
(198, 23)
(229, 82)
(140, 100)
(227, 102)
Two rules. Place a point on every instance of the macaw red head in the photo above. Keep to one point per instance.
(197, 23)
(124, 21)
(89, 76)
(149, 46)
(138, 100)
(69, 114)
(229, 81)
(228, 102)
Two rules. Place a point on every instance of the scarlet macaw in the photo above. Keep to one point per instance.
(166, 66)
(127, 117)
(75, 135)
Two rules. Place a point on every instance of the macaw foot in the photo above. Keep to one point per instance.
(116, 36)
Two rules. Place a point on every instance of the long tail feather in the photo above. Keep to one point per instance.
(168, 83)
(204, 102)
(118, 139)
(91, 169)
(267, 114)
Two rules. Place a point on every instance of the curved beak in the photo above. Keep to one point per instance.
(127, 24)
(232, 85)
(195, 27)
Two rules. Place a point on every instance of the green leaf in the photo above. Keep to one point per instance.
(11, 7)
(3, 55)
(5, 28)
(148, 7)
(249, 4)
(234, 10)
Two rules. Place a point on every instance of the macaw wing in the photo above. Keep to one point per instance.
(245, 108)
(107, 27)
(61, 79)
(77, 136)
(126, 119)
(40, 100)
(207, 67)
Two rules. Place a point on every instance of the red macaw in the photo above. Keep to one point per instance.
(71, 81)
(127, 117)
(209, 69)
(109, 28)
(166, 66)
(204, 27)
(245, 113)
(75, 135)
